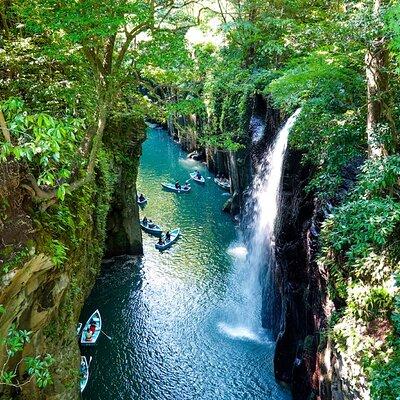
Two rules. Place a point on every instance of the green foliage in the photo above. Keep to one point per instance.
(368, 304)
(361, 228)
(362, 252)
(379, 178)
(323, 77)
(84, 21)
(58, 252)
(13, 260)
(15, 340)
(295, 53)
(36, 367)
(187, 106)
(48, 144)
(384, 370)
(39, 368)
(228, 97)
(330, 128)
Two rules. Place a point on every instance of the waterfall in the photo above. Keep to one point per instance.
(265, 196)
(257, 128)
(256, 272)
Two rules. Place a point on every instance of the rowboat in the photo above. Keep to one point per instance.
(141, 202)
(171, 188)
(225, 184)
(84, 370)
(193, 175)
(174, 237)
(151, 228)
(78, 328)
(94, 319)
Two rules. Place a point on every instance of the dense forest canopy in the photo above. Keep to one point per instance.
(69, 69)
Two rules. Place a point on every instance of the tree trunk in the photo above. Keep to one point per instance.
(3, 125)
(376, 61)
(3, 18)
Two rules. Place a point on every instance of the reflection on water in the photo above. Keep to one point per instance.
(171, 315)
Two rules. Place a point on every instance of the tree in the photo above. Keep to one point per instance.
(105, 35)
(376, 67)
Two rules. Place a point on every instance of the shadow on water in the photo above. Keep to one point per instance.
(171, 315)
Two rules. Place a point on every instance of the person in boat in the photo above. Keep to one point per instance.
(186, 186)
(160, 241)
(141, 197)
(93, 327)
(198, 175)
(177, 185)
(168, 236)
(89, 335)
(144, 220)
(151, 224)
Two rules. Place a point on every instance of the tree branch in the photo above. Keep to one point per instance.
(92, 57)
(128, 40)
(108, 53)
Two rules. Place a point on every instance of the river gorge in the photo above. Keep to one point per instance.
(180, 321)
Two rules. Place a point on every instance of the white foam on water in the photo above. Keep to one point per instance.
(242, 332)
(189, 163)
(238, 251)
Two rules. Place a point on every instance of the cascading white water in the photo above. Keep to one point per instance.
(265, 196)
(261, 215)
(257, 128)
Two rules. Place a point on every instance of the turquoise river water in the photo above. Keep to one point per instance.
(177, 319)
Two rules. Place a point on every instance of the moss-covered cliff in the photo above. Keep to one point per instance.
(51, 258)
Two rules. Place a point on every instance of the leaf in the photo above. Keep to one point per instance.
(61, 192)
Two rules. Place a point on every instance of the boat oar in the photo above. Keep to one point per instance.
(90, 360)
(108, 337)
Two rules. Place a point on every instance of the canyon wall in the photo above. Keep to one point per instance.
(50, 259)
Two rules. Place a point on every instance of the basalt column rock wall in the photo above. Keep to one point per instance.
(123, 229)
(300, 284)
(48, 265)
(303, 356)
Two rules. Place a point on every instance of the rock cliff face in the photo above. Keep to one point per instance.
(304, 357)
(123, 233)
(49, 261)
(123, 230)
(300, 283)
